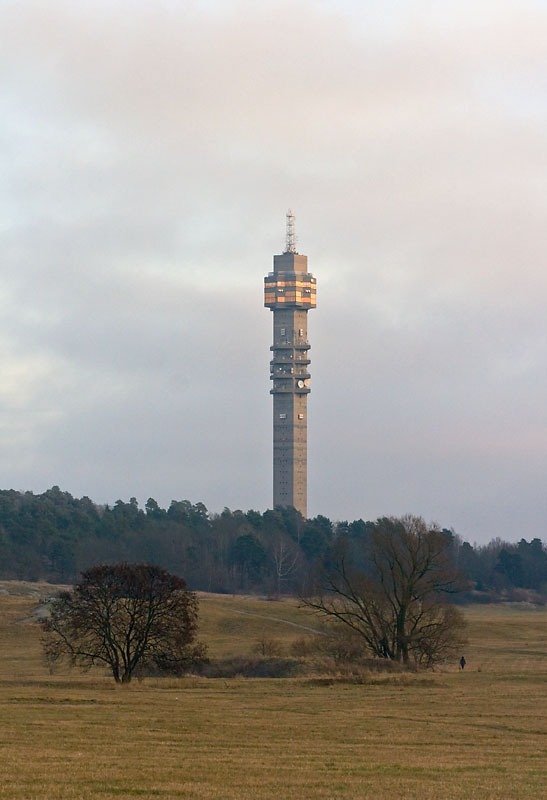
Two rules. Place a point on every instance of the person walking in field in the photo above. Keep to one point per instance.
(462, 662)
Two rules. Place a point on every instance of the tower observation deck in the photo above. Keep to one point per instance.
(290, 292)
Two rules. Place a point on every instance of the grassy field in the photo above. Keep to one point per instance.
(477, 734)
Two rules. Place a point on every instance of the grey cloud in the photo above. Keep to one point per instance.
(148, 161)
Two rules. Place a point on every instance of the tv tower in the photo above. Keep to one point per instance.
(290, 292)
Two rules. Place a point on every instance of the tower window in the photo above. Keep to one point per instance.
(301, 416)
(282, 331)
(282, 416)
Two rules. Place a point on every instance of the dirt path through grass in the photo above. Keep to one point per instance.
(278, 619)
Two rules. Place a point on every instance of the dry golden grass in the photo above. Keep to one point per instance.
(230, 625)
(477, 734)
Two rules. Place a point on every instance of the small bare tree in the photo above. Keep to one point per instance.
(391, 589)
(285, 556)
(125, 616)
(267, 646)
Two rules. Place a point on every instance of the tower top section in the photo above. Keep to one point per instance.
(290, 285)
(290, 244)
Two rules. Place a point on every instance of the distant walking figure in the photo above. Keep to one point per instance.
(462, 663)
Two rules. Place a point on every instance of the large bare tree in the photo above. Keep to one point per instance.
(392, 588)
(125, 616)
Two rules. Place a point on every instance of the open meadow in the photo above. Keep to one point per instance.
(481, 733)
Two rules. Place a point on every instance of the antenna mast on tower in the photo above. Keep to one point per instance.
(290, 246)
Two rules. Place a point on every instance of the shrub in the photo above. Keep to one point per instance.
(268, 648)
(253, 667)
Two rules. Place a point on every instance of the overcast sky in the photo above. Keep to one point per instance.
(149, 152)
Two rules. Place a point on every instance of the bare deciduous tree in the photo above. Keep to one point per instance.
(391, 589)
(267, 646)
(125, 616)
(285, 557)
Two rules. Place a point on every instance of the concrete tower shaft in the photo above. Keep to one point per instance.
(290, 291)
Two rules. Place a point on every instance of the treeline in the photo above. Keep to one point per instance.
(54, 536)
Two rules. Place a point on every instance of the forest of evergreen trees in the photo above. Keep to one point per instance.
(54, 536)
